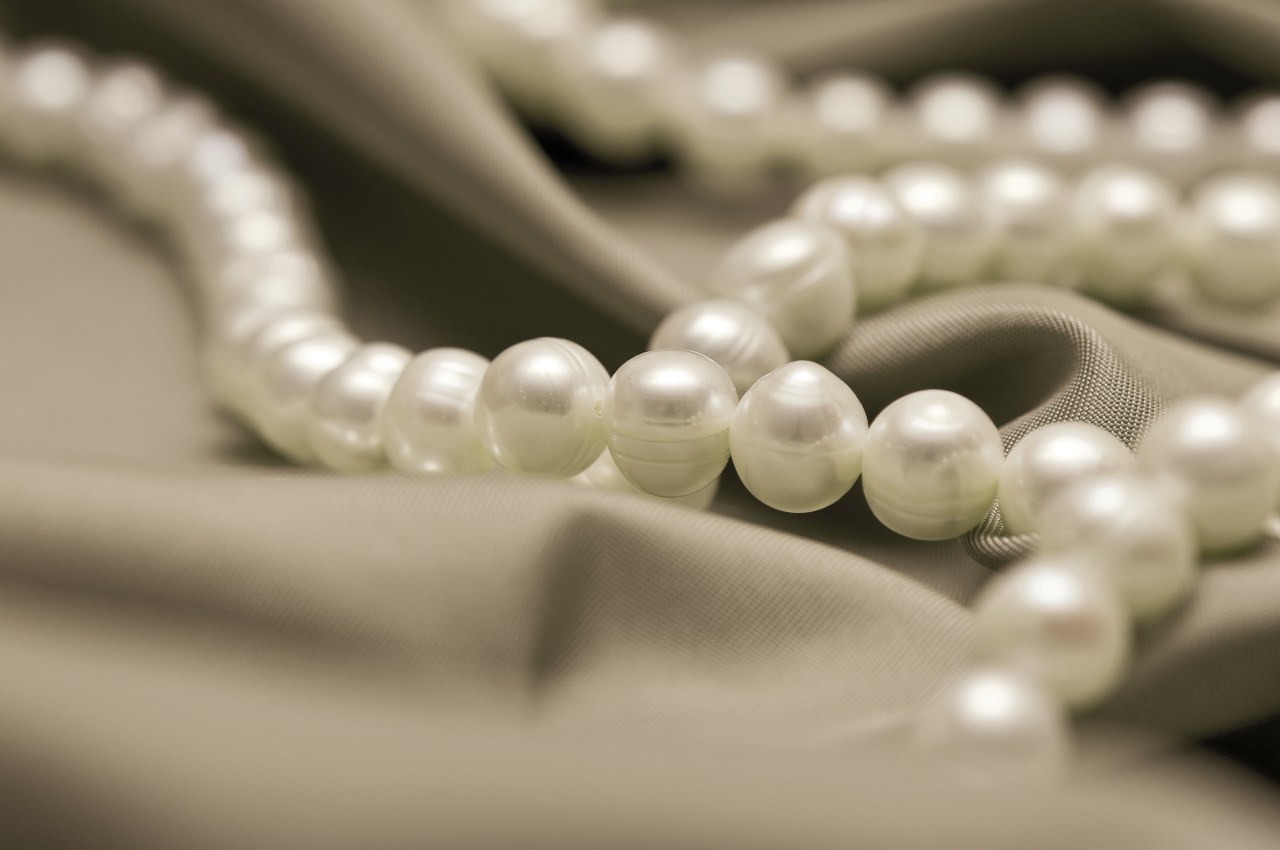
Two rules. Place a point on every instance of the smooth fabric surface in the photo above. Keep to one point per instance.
(201, 646)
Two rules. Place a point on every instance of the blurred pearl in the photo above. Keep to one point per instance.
(744, 344)
(1027, 204)
(1221, 464)
(279, 386)
(1124, 219)
(122, 97)
(1049, 458)
(1234, 239)
(605, 475)
(1172, 128)
(667, 416)
(1056, 621)
(428, 423)
(151, 163)
(796, 275)
(1262, 404)
(344, 422)
(1065, 120)
(1131, 532)
(996, 726)
(255, 233)
(245, 338)
(846, 115)
(246, 190)
(959, 117)
(287, 278)
(537, 407)
(1259, 128)
(885, 246)
(958, 238)
(50, 84)
(931, 464)
(796, 438)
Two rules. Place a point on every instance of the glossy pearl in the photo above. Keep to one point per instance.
(931, 464)
(1064, 119)
(283, 279)
(428, 422)
(958, 238)
(1172, 128)
(1048, 459)
(537, 407)
(847, 116)
(959, 117)
(730, 333)
(1233, 237)
(1051, 618)
(884, 245)
(344, 426)
(1217, 459)
(605, 475)
(122, 97)
(49, 86)
(1262, 404)
(1027, 204)
(248, 336)
(152, 159)
(1124, 219)
(1129, 530)
(278, 388)
(796, 438)
(796, 275)
(667, 416)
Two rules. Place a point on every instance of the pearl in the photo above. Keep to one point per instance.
(605, 475)
(123, 96)
(428, 422)
(537, 408)
(1027, 204)
(847, 116)
(286, 279)
(996, 726)
(796, 275)
(885, 246)
(250, 335)
(151, 161)
(1233, 233)
(1053, 619)
(1172, 127)
(50, 83)
(959, 117)
(931, 464)
(344, 426)
(958, 238)
(1124, 220)
(1049, 458)
(743, 343)
(796, 438)
(667, 416)
(1259, 129)
(1064, 120)
(1214, 456)
(279, 385)
(1262, 404)
(1131, 532)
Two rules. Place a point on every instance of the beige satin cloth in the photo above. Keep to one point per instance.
(203, 647)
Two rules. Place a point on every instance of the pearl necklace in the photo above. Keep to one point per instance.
(1120, 534)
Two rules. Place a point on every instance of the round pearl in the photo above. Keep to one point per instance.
(344, 425)
(284, 279)
(536, 410)
(428, 422)
(605, 475)
(1064, 120)
(959, 117)
(247, 336)
(996, 726)
(885, 246)
(1262, 404)
(1210, 453)
(742, 342)
(847, 115)
(796, 438)
(50, 84)
(123, 96)
(150, 164)
(1124, 219)
(1129, 530)
(931, 464)
(1172, 126)
(1259, 128)
(279, 385)
(958, 238)
(1058, 622)
(796, 275)
(667, 416)
(1027, 204)
(1048, 459)
(1232, 234)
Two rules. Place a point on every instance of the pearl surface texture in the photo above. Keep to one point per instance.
(730, 333)
(279, 388)
(428, 423)
(605, 475)
(344, 428)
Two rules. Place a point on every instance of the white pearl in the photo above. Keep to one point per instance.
(1172, 128)
(122, 97)
(279, 385)
(959, 117)
(1233, 238)
(50, 84)
(286, 279)
(1027, 205)
(246, 337)
(1262, 404)
(796, 438)
(1055, 620)
(847, 115)
(428, 423)
(344, 422)
(796, 275)
(537, 408)
(667, 416)
(885, 246)
(958, 238)
(1259, 128)
(742, 342)
(1124, 219)
(605, 475)
(996, 726)
(1065, 120)
(1221, 464)
(931, 464)
(151, 161)
(1049, 458)
(1129, 530)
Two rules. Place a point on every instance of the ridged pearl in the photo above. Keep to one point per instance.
(537, 407)
(1172, 127)
(121, 98)
(428, 422)
(1053, 619)
(931, 464)
(667, 416)
(959, 117)
(245, 337)
(1048, 459)
(796, 275)
(1124, 219)
(1027, 204)
(730, 333)
(1233, 235)
(1064, 120)
(958, 238)
(796, 438)
(847, 115)
(1221, 463)
(344, 425)
(1262, 404)
(605, 475)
